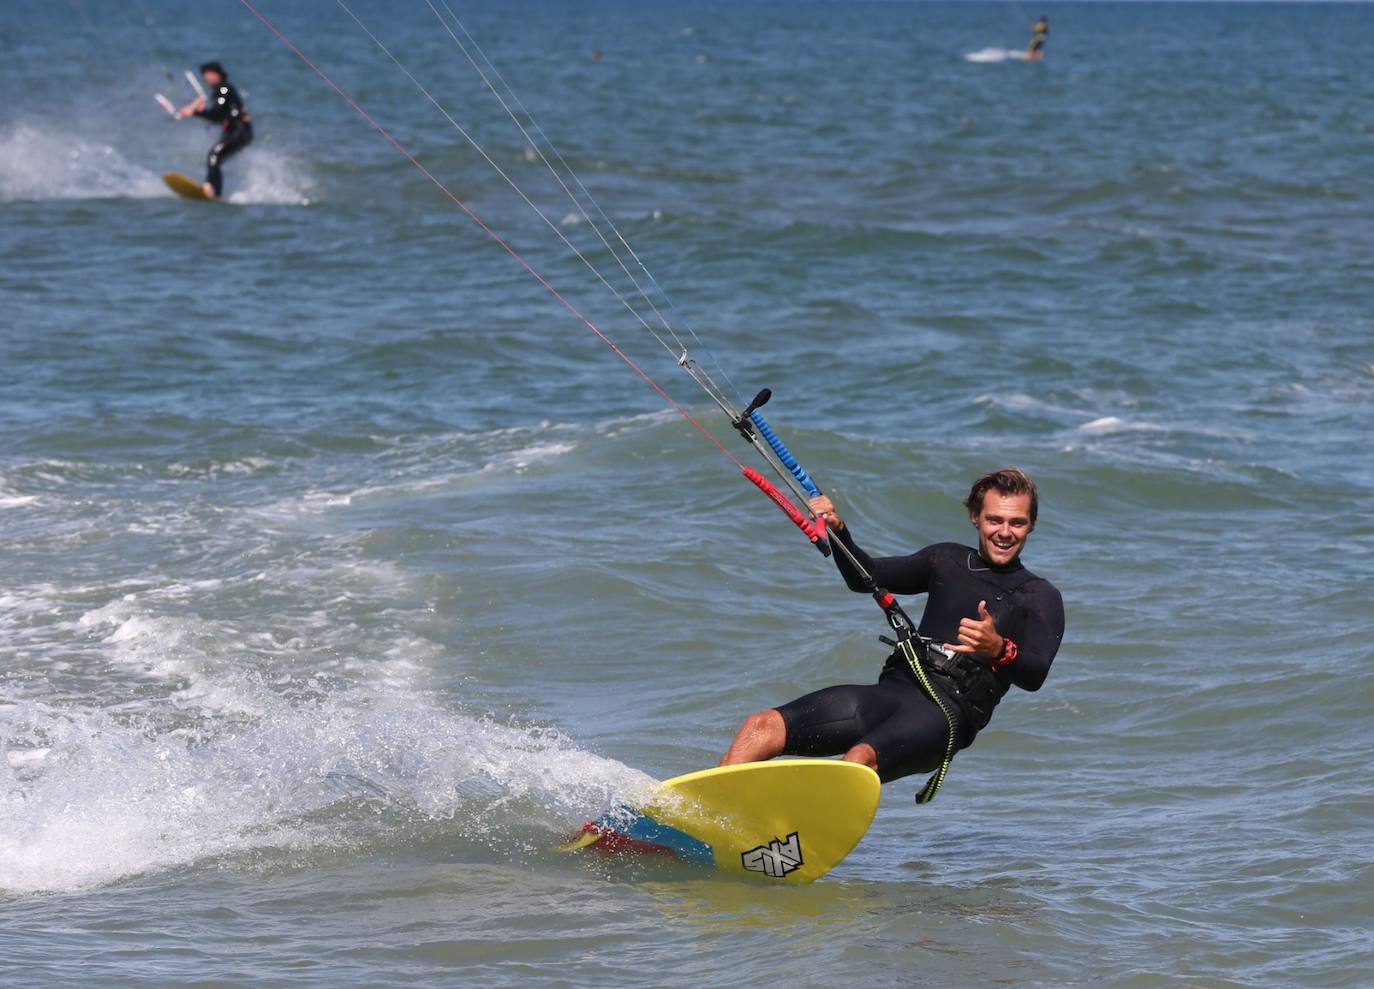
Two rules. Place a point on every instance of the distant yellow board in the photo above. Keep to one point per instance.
(788, 821)
(184, 185)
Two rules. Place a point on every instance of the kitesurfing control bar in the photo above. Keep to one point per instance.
(892, 610)
(815, 531)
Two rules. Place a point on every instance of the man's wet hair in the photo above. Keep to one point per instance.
(1007, 481)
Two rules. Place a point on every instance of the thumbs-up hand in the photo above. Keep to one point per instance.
(978, 635)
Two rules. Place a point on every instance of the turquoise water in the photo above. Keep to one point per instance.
(344, 571)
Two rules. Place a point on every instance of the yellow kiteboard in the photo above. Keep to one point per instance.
(184, 185)
(788, 821)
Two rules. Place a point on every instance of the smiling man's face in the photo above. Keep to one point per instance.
(1003, 524)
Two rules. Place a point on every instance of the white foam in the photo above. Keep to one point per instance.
(515, 461)
(318, 501)
(1108, 425)
(9, 498)
(188, 653)
(259, 175)
(41, 163)
(627, 424)
(1016, 400)
(112, 798)
(1021, 401)
(326, 500)
(1104, 425)
(244, 466)
(518, 461)
(996, 55)
(26, 758)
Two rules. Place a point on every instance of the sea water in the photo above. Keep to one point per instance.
(343, 571)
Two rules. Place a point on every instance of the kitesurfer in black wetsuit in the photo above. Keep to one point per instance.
(225, 108)
(992, 624)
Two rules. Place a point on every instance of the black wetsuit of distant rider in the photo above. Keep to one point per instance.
(224, 107)
(905, 727)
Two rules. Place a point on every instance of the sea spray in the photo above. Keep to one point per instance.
(88, 796)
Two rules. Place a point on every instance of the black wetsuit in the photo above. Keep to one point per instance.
(224, 107)
(906, 728)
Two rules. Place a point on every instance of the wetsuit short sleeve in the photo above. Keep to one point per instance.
(898, 574)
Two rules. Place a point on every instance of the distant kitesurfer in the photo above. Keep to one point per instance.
(1040, 33)
(225, 108)
(990, 622)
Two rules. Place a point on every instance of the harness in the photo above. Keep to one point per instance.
(971, 681)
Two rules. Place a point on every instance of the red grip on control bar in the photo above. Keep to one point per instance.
(813, 533)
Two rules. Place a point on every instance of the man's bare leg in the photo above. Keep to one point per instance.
(762, 736)
(864, 755)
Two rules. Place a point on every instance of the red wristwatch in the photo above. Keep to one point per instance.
(1009, 653)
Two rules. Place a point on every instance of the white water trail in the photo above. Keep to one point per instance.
(90, 797)
(212, 761)
(986, 55)
(42, 162)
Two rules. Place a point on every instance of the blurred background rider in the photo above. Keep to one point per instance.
(1040, 33)
(225, 107)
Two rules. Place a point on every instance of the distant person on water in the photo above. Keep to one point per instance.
(1040, 33)
(225, 108)
(990, 624)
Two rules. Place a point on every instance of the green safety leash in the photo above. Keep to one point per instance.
(932, 786)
